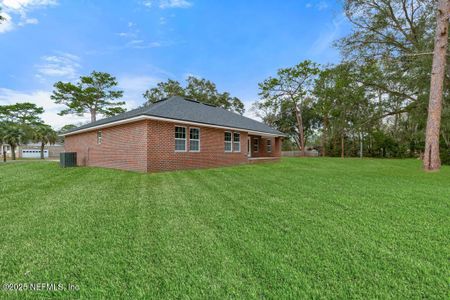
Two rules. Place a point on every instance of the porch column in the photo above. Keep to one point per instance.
(277, 148)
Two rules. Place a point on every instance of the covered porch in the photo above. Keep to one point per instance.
(263, 148)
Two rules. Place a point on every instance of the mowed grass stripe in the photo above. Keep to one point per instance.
(300, 228)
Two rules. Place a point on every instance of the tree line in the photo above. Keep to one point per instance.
(377, 100)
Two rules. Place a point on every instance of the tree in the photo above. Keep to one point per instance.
(164, 90)
(432, 159)
(199, 89)
(16, 122)
(343, 105)
(288, 91)
(44, 134)
(13, 135)
(21, 113)
(393, 41)
(94, 94)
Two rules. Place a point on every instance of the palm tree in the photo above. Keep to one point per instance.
(13, 135)
(44, 134)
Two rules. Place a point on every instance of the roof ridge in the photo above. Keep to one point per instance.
(186, 109)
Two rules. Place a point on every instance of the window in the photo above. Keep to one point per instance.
(180, 138)
(99, 137)
(228, 145)
(255, 145)
(237, 142)
(269, 146)
(194, 139)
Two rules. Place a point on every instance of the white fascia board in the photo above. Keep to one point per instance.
(144, 117)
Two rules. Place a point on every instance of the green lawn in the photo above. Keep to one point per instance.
(316, 228)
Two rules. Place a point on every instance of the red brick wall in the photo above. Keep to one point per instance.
(149, 146)
(162, 155)
(263, 149)
(123, 147)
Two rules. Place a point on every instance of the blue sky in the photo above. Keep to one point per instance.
(236, 44)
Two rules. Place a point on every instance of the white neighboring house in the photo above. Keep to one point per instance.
(34, 150)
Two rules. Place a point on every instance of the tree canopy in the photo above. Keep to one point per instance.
(94, 94)
(22, 112)
(374, 102)
(287, 95)
(199, 89)
(44, 134)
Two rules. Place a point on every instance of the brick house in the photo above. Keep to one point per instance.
(173, 134)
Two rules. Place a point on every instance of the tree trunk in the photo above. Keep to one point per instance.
(13, 152)
(342, 146)
(298, 115)
(360, 144)
(432, 161)
(42, 150)
(324, 135)
(4, 153)
(93, 115)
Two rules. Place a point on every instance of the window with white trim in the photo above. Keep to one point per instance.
(194, 139)
(269, 146)
(180, 138)
(228, 142)
(255, 144)
(237, 142)
(99, 137)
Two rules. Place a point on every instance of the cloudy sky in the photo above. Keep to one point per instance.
(234, 43)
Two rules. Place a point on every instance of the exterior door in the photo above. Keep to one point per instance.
(249, 147)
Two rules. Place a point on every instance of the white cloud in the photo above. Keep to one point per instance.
(42, 98)
(322, 5)
(147, 3)
(21, 8)
(134, 86)
(163, 4)
(174, 4)
(7, 24)
(325, 40)
(32, 21)
(24, 4)
(64, 65)
(319, 5)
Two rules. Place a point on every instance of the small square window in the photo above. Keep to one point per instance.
(99, 137)
(269, 146)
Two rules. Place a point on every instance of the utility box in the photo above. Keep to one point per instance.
(68, 159)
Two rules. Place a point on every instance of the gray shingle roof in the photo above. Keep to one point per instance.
(179, 108)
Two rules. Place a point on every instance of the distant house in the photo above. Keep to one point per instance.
(173, 134)
(32, 150)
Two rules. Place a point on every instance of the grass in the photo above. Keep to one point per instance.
(302, 228)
